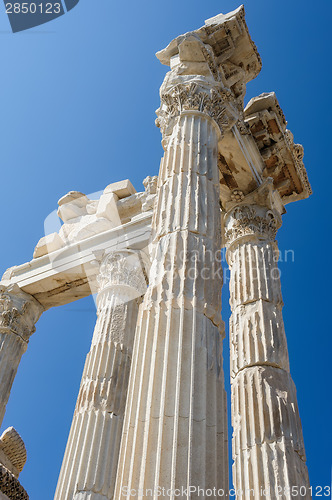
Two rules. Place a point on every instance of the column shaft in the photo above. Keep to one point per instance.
(175, 432)
(91, 458)
(18, 314)
(12, 347)
(268, 449)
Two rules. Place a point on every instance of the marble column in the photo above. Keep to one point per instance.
(90, 462)
(19, 312)
(268, 450)
(175, 432)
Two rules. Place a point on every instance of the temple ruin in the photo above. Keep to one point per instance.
(151, 412)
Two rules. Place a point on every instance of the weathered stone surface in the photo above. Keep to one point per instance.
(122, 189)
(175, 430)
(84, 218)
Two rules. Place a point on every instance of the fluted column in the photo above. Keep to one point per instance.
(90, 462)
(268, 450)
(19, 312)
(175, 432)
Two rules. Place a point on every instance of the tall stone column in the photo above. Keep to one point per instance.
(90, 462)
(175, 432)
(19, 312)
(268, 449)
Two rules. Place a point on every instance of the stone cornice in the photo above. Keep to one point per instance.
(283, 159)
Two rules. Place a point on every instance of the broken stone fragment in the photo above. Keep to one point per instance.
(80, 199)
(86, 227)
(48, 244)
(107, 208)
(150, 185)
(84, 218)
(72, 205)
(122, 189)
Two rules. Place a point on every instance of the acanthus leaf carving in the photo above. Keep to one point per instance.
(244, 220)
(214, 102)
(122, 269)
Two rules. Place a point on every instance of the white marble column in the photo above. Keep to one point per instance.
(89, 466)
(19, 312)
(268, 449)
(175, 432)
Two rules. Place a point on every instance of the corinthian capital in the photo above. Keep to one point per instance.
(251, 222)
(253, 217)
(122, 271)
(19, 311)
(195, 95)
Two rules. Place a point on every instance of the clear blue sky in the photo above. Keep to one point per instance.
(78, 97)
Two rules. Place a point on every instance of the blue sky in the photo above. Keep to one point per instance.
(78, 105)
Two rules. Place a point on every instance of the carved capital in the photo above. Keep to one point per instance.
(122, 271)
(215, 102)
(13, 449)
(19, 311)
(250, 222)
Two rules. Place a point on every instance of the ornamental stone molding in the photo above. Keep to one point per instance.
(283, 159)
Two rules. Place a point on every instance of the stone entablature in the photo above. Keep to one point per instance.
(69, 274)
(231, 56)
(283, 159)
